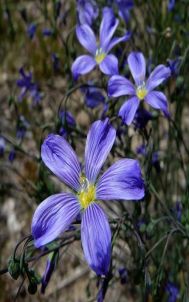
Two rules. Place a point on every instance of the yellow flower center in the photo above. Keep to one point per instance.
(100, 55)
(141, 92)
(87, 193)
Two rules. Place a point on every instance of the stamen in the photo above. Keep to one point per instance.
(87, 193)
(141, 91)
(100, 55)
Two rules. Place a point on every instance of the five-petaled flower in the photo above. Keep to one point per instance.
(107, 63)
(142, 90)
(122, 180)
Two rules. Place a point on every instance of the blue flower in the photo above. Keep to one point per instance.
(27, 85)
(47, 32)
(108, 64)
(56, 213)
(142, 90)
(142, 117)
(87, 11)
(93, 96)
(171, 5)
(174, 66)
(31, 30)
(12, 155)
(172, 291)
(22, 127)
(67, 121)
(124, 7)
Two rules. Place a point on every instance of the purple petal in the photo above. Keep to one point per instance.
(60, 158)
(117, 40)
(82, 65)
(107, 27)
(128, 110)
(118, 85)
(99, 142)
(96, 239)
(123, 180)
(53, 216)
(87, 38)
(158, 100)
(137, 66)
(109, 65)
(158, 75)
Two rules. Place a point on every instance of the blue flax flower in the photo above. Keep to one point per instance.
(172, 291)
(56, 213)
(143, 88)
(107, 63)
(87, 11)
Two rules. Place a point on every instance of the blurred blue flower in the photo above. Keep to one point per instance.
(56, 62)
(22, 126)
(172, 290)
(142, 117)
(155, 156)
(123, 274)
(93, 96)
(31, 30)
(47, 32)
(87, 11)
(170, 5)
(174, 66)
(12, 155)
(124, 7)
(67, 121)
(27, 85)
(2, 146)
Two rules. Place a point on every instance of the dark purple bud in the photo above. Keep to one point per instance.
(12, 155)
(50, 267)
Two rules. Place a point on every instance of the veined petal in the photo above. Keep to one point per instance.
(158, 75)
(128, 110)
(82, 65)
(158, 100)
(99, 142)
(87, 38)
(118, 86)
(123, 180)
(137, 66)
(107, 27)
(53, 216)
(96, 239)
(60, 158)
(117, 40)
(109, 65)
